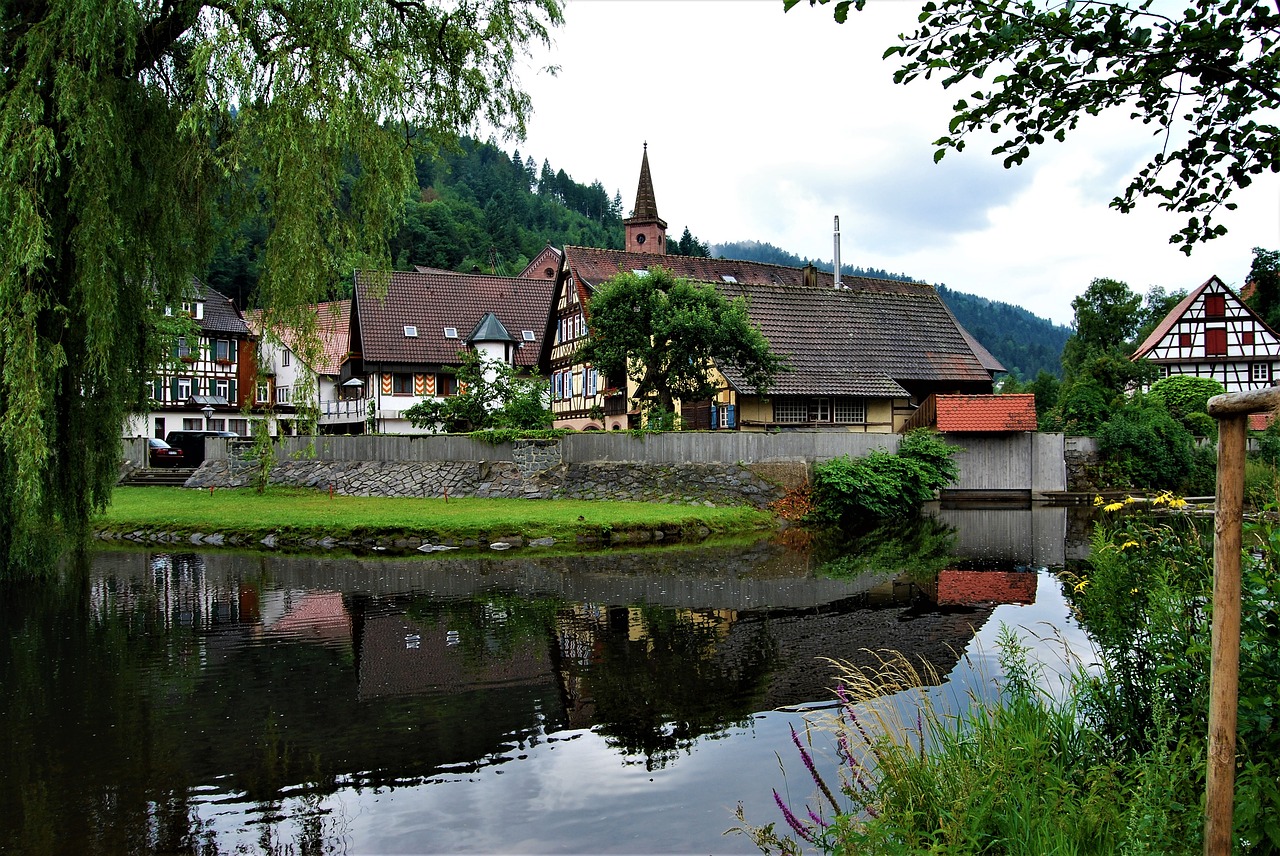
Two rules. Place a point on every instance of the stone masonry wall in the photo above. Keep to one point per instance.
(536, 473)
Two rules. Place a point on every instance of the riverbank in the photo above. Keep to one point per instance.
(298, 518)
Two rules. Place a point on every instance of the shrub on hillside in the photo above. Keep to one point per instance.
(1183, 395)
(881, 485)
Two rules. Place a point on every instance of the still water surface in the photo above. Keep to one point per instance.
(604, 703)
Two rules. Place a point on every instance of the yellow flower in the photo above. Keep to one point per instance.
(1162, 498)
(1115, 506)
(1178, 503)
(1129, 500)
(1127, 544)
(1097, 500)
(1133, 591)
(1080, 586)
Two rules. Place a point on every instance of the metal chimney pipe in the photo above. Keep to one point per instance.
(836, 263)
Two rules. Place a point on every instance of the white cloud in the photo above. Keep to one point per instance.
(763, 125)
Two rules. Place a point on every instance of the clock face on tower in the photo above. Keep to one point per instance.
(640, 238)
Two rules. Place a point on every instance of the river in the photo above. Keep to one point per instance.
(603, 702)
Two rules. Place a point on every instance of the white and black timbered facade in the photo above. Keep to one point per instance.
(1212, 333)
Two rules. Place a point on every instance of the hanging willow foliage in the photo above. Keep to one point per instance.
(128, 128)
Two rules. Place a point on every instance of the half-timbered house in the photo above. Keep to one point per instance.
(1213, 333)
(210, 370)
(861, 353)
(408, 329)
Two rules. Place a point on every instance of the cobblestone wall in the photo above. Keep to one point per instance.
(536, 473)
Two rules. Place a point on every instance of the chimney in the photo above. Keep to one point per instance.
(836, 261)
(810, 276)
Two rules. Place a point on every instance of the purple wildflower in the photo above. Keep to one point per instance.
(813, 815)
(813, 771)
(791, 819)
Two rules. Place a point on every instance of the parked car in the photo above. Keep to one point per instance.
(161, 454)
(192, 444)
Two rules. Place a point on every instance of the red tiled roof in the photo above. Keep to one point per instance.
(1261, 421)
(863, 339)
(987, 413)
(385, 303)
(333, 325)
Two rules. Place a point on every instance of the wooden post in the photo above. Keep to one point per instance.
(1232, 412)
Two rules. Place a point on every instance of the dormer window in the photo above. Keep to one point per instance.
(410, 331)
(451, 332)
(527, 335)
(197, 311)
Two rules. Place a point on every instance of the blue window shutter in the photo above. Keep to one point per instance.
(731, 411)
(714, 424)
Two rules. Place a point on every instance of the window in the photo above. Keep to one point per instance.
(727, 278)
(593, 381)
(796, 410)
(286, 358)
(222, 350)
(850, 410)
(1260, 372)
(284, 395)
(263, 394)
(557, 385)
(183, 388)
(820, 410)
(402, 383)
(1215, 341)
(223, 389)
(184, 350)
(217, 425)
(239, 426)
(527, 335)
(451, 332)
(446, 384)
(410, 331)
(1164, 371)
(192, 424)
(1215, 306)
(725, 416)
(159, 426)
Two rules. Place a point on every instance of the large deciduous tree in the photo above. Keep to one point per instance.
(1205, 78)
(666, 332)
(127, 128)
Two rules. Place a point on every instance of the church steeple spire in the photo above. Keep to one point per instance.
(646, 231)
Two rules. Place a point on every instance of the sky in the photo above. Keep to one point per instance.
(765, 125)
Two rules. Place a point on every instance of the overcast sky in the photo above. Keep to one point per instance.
(764, 125)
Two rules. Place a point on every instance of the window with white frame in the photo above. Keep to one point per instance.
(820, 410)
(223, 389)
(725, 416)
(284, 395)
(850, 410)
(286, 358)
(593, 381)
(1260, 372)
(793, 410)
(184, 350)
(263, 394)
(184, 388)
(222, 350)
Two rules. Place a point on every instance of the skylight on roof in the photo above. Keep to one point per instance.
(639, 272)
(411, 331)
(527, 335)
(727, 278)
(451, 332)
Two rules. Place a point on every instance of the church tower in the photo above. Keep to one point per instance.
(646, 231)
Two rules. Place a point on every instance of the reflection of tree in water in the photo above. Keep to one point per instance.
(918, 547)
(663, 677)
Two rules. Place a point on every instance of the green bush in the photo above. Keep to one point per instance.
(1183, 395)
(1201, 425)
(1082, 407)
(1146, 447)
(851, 491)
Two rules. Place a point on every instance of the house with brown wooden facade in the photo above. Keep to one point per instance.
(1213, 333)
(861, 353)
(213, 369)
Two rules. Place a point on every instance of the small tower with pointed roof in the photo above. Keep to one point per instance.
(646, 231)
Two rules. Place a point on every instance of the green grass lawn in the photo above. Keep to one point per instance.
(298, 512)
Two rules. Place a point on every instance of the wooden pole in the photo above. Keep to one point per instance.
(1232, 412)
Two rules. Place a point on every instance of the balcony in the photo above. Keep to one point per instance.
(345, 410)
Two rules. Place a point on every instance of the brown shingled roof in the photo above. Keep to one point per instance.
(986, 413)
(863, 339)
(385, 303)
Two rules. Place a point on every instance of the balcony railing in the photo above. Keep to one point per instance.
(345, 410)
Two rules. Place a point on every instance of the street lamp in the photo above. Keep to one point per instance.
(207, 410)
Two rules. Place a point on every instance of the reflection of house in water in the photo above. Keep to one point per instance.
(956, 586)
(178, 593)
(1032, 537)
(312, 616)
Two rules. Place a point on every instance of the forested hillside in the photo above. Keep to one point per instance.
(480, 208)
